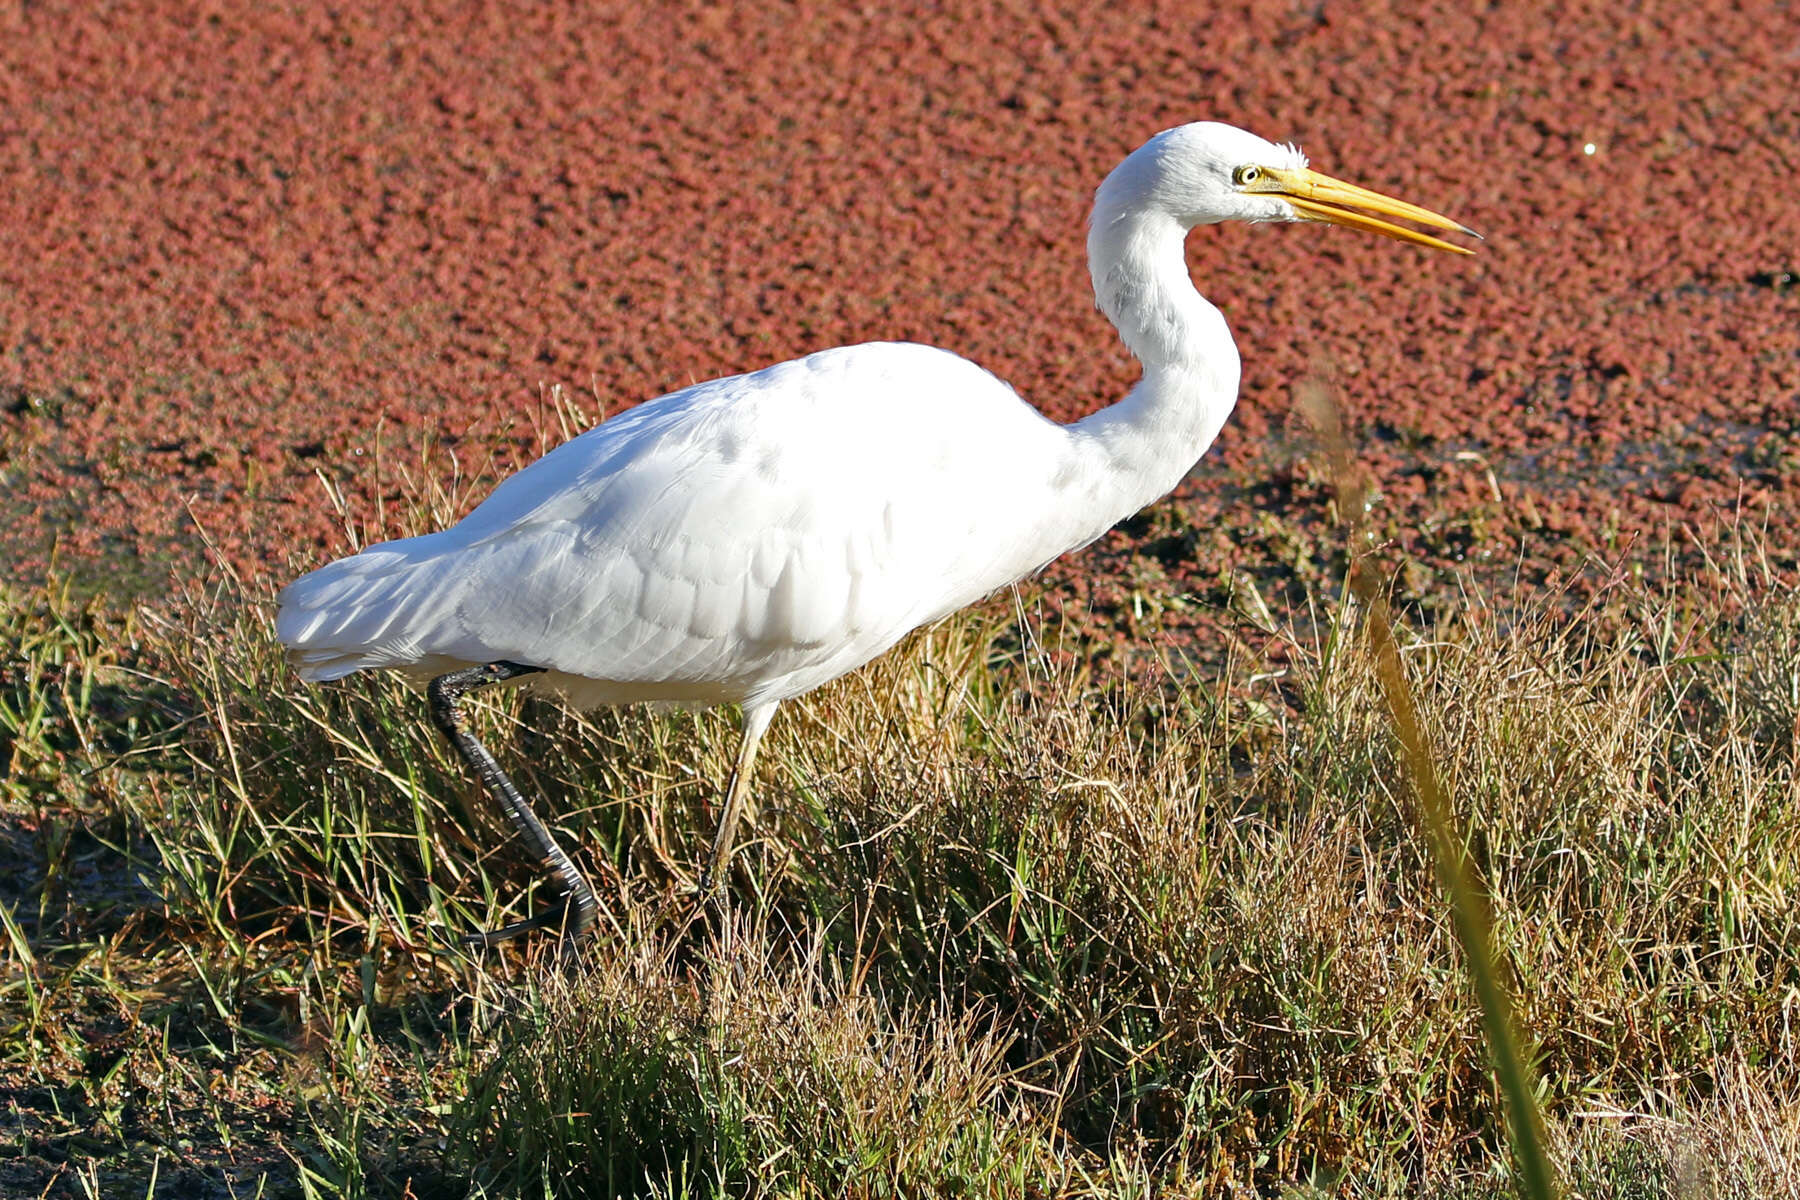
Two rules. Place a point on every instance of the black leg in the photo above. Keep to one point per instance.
(579, 907)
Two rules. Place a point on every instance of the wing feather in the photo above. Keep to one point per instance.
(796, 520)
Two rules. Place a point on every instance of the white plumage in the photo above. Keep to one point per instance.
(742, 540)
(749, 538)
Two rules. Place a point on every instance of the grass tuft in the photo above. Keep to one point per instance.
(635, 1077)
(1005, 924)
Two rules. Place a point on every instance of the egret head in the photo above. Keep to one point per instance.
(1207, 172)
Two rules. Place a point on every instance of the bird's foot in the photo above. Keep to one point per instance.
(572, 919)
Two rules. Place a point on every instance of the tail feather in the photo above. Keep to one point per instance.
(355, 613)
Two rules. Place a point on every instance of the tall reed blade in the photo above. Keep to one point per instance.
(1469, 911)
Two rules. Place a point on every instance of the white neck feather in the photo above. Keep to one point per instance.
(1133, 452)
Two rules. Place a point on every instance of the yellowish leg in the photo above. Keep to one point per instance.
(737, 794)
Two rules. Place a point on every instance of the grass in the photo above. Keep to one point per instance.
(1005, 926)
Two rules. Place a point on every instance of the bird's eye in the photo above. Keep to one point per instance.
(1246, 174)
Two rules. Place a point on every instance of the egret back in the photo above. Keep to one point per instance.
(743, 539)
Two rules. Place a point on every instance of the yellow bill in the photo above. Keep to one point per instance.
(1319, 197)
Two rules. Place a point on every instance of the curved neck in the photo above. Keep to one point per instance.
(1139, 269)
(1137, 450)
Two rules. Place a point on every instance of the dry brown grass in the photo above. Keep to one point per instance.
(1005, 927)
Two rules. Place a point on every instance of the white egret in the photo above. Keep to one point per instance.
(744, 540)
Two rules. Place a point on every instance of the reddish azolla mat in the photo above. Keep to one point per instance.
(243, 244)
